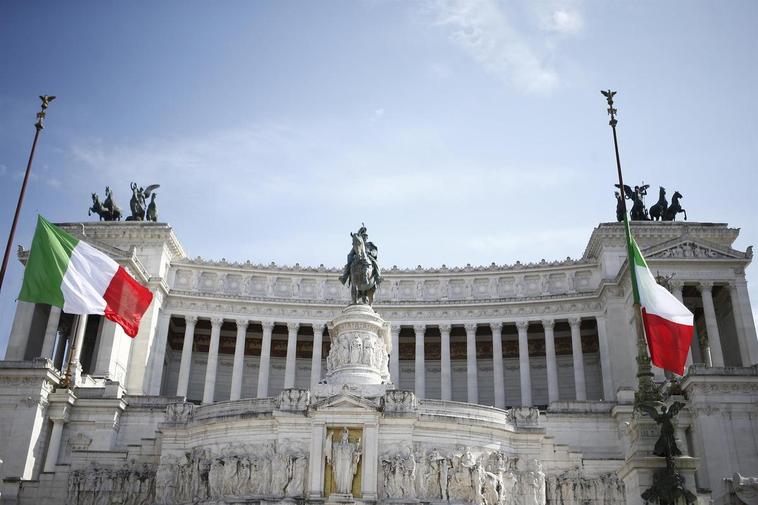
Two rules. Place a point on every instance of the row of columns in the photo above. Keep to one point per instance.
(714, 347)
(211, 368)
(472, 383)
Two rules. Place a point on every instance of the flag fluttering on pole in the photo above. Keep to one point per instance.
(668, 323)
(69, 273)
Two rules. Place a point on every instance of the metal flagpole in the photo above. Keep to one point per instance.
(39, 125)
(646, 389)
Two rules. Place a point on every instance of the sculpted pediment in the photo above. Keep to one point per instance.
(345, 401)
(689, 249)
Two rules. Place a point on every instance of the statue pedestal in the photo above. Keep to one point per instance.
(360, 347)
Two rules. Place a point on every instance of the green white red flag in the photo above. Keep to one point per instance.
(668, 323)
(69, 273)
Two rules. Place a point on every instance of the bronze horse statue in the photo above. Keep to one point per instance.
(362, 282)
(659, 209)
(675, 208)
(105, 213)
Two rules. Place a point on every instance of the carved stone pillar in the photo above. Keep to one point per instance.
(184, 367)
(472, 384)
(76, 349)
(497, 364)
(395, 355)
(609, 392)
(19, 337)
(552, 364)
(739, 325)
(420, 370)
(676, 287)
(445, 369)
(239, 360)
(523, 361)
(316, 461)
(318, 333)
(580, 385)
(741, 297)
(265, 361)
(711, 324)
(59, 408)
(290, 365)
(369, 487)
(212, 365)
(48, 345)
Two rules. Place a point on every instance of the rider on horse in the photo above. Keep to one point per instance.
(372, 252)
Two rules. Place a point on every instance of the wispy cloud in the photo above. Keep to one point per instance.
(516, 55)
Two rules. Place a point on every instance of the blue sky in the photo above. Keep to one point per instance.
(460, 132)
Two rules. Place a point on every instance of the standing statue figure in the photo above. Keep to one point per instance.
(344, 457)
(137, 203)
(637, 196)
(665, 446)
(362, 268)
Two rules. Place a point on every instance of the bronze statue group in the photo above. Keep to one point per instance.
(661, 211)
(108, 210)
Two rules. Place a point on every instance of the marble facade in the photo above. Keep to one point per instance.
(487, 385)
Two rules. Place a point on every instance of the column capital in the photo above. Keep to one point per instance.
(470, 327)
(217, 321)
(190, 320)
(267, 325)
(395, 329)
(522, 325)
(705, 286)
(496, 327)
(575, 322)
(676, 284)
(419, 329)
(242, 323)
(292, 326)
(445, 328)
(548, 323)
(317, 326)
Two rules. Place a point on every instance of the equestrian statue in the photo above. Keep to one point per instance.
(362, 271)
(108, 210)
(660, 211)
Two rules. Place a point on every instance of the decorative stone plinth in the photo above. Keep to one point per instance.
(360, 348)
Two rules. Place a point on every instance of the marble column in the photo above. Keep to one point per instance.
(552, 364)
(76, 349)
(420, 370)
(739, 325)
(446, 392)
(48, 345)
(676, 287)
(291, 363)
(212, 365)
(54, 445)
(239, 359)
(711, 324)
(580, 385)
(265, 362)
(472, 384)
(19, 337)
(395, 356)
(748, 334)
(523, 362)
(318, 333)
(182, 384)
(609, 393)
(497, 364)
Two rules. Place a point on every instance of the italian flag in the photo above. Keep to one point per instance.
(668, 323)
(69, 273)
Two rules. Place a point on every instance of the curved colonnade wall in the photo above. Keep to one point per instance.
(239, 339)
